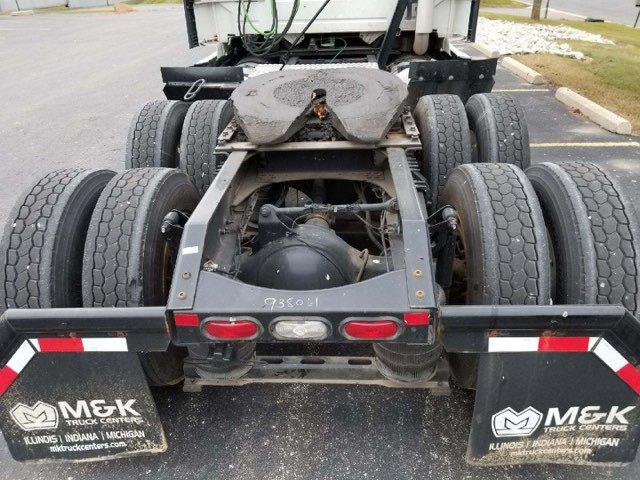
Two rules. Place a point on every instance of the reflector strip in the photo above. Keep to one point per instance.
(21, 357)
(29, 348)
(75, 344)
(7, 377)
(186, 320)
(631, 377)
(15, 365)
(513, 344)
(609, 355)
(415, 319)
(603, 349)
(59, 344)
(118, 344)
(563, 344)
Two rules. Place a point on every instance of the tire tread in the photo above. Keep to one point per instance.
(518, 245)
(506, 122)
(444, 130)
(109, 240)
(28, 246)
(614, 231)
(203, 124)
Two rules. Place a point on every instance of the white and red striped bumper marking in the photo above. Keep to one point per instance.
(599, 346)
(27, 350)
(117, 344)
(15, 365)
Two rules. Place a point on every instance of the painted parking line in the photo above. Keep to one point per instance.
(520, 90)
(585, 144)
(24, 29)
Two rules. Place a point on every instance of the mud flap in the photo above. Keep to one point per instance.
(78, 406)
(580, 406)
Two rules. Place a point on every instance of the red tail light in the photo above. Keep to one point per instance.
(363, 329)
(238, 329)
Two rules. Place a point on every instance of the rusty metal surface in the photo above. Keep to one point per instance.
(398, 140)
(333, 370)
(361, 104)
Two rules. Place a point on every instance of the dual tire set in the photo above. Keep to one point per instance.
(491, 128)
(92, 237)
(174, 134)
(545, 234)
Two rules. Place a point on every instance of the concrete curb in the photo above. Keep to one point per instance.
(522, 71)
(486, 50)
(600, 115)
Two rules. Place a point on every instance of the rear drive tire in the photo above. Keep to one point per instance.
(502, 244)
(204, 122)
(594, 233)
(154, 135)
(500, 133)
(41, 249)
(444, 133)
(127, 262)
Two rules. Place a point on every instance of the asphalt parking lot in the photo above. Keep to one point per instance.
(559, 135)
(69, 84)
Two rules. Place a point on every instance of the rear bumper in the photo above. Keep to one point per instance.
(548, 376)
(470, 328)
(609, 332)
(460, 329)
(144, 329)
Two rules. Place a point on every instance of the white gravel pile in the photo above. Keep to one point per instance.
(511, 37)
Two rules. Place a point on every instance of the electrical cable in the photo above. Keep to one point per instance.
(271, 38)
(256, 47)
(341, 50)
(273, 19)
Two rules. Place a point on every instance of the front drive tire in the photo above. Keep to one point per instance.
(154, 135)
(205, 121)
(446, 144)
(127, 262)
(502, 244)
(499, 127)
(594, 233)
(41, 249)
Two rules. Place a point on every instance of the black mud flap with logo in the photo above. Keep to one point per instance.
(78, 406)
(569, 407)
